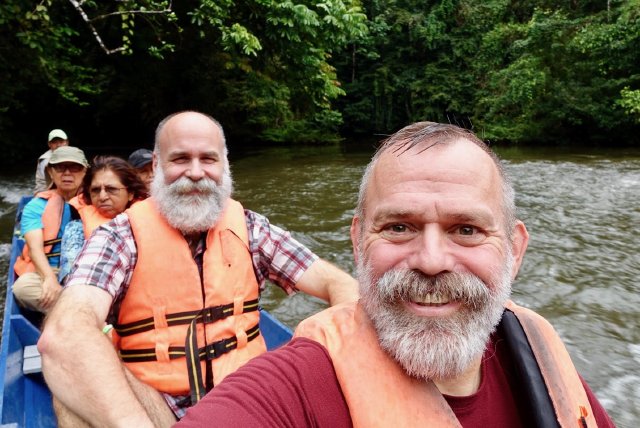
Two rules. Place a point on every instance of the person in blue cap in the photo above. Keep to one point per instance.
(141, 161)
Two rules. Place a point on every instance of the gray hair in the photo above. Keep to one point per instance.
(427, 135)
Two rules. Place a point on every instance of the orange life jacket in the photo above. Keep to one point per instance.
(51, 221)
(172, 328)
(368, 375)
(89, 214)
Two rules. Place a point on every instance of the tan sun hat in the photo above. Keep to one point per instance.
(68, 154)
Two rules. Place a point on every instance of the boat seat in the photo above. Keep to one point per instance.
(32, 362)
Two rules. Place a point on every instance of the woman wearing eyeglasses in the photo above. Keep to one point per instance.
(43, 222)
(110, 186)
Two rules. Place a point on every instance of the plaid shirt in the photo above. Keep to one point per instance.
(109, 257)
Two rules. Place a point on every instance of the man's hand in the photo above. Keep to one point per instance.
(51, 289)
(50, 286)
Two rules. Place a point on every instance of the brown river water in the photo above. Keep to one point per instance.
(581, 207)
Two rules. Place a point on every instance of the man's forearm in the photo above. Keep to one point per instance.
(84, 372)
(343, 289)
(328, 282)
(41, 262)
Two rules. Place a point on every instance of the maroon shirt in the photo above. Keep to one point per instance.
(296, 386)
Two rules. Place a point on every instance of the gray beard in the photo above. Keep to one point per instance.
(191, 213)
(428, 348)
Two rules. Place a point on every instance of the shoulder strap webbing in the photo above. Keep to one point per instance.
(529, 376)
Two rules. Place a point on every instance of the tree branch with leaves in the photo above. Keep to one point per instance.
(127, 10)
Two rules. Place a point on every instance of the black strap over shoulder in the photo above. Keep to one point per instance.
(530, 378)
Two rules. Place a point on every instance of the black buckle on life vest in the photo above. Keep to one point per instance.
(209, 352)
(217, 349)
(215, 313)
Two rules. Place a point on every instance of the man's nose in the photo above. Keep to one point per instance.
(195, 171)
(431, 253)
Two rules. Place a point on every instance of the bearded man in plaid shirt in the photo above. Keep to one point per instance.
(189, 262)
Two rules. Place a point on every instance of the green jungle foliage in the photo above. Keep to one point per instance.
(516, 71)
(312, 71)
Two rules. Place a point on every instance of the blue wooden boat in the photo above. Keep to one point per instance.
(25, 400)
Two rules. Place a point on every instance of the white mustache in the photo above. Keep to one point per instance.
(184, 185)
(400, 285)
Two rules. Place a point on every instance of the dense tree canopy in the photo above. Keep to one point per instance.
(306, 71)
(519, 71)
(261, 67)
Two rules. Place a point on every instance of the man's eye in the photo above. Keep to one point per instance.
(466, 230)
(397, 228)
(396, 232)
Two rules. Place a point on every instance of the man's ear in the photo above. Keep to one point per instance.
(519, 244)
(154, 162)
(355, 237)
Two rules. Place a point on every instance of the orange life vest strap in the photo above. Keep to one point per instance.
(89, 214)
(203, 316)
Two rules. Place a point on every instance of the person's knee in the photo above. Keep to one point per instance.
(27, 290)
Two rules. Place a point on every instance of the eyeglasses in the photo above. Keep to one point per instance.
(111, 190)
(71, 166)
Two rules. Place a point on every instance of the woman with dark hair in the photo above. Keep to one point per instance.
(110, 186)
